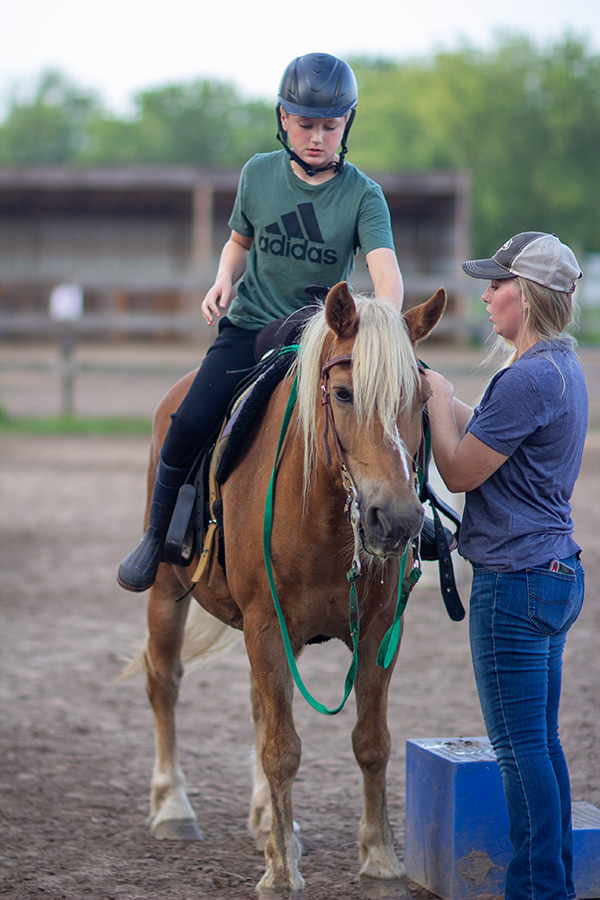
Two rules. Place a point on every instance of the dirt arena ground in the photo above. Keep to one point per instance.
(76, 751)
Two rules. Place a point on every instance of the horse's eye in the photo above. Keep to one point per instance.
(343, 395)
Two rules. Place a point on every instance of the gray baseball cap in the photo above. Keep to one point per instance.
(534, 255)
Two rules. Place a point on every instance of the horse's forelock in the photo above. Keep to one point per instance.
(384, 373)
(309, 376)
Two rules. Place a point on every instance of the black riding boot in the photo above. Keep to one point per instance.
(137, 572)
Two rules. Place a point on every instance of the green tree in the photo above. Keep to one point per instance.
(50, 127)
(204, 123)
(524, 122)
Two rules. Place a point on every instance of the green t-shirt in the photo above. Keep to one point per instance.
(303, 234)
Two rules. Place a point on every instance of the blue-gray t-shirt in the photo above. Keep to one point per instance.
(535, 412)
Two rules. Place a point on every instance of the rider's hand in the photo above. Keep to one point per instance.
(216, 300)
(232, 266)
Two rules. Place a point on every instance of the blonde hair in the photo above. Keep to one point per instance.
(549, 314)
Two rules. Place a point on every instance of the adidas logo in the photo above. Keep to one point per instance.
(297, 236)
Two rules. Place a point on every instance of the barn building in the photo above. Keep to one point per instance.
(145, 241)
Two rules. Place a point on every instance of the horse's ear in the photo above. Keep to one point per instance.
(340, 311)
(421, 320)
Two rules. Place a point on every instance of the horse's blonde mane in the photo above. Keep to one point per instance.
(384, 373)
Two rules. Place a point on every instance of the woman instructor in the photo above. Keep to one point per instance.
(517, 456)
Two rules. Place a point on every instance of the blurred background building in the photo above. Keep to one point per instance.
(143, 243)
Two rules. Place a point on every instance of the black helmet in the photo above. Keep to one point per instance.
(318, 86)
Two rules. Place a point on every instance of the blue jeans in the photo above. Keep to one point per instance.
(518, 626)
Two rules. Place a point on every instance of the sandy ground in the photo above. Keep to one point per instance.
(76, 751)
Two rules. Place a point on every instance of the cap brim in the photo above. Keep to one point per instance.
(486, 268)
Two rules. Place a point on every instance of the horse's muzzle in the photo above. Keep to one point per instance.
(386, 533)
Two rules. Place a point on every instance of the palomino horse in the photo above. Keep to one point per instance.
(356, 368)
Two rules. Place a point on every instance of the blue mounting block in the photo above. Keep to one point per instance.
(456, 842)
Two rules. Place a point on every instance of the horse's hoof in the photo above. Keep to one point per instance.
(284, 893)
(383, 889)
(177, 830)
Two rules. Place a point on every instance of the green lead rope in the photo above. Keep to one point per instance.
(391, 639)
(352, 577)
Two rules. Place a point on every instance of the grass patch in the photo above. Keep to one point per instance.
(75, 425)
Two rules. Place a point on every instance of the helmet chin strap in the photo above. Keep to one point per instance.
(308, 169)
(338, 165)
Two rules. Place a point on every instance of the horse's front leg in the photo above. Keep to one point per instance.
(172, 816)
(259, 820)
(372, 746)
(280, 756)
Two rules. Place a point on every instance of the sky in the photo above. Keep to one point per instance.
(119, 47)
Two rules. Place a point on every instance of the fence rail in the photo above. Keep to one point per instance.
(67, 334)
(111, 327)
(31, 325)
(139, 324)
(72, 354)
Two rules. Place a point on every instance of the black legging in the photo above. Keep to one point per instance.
(205, 404)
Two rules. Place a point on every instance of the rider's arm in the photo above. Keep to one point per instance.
(385, 275)
(232, 266)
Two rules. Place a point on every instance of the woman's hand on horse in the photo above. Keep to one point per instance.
(439, 385)
(442, 392)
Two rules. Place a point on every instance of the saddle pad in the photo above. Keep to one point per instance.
(245, 412)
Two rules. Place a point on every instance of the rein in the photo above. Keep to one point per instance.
(267, 532)
(391, 639)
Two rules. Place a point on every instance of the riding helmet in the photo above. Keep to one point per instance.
(318, 86)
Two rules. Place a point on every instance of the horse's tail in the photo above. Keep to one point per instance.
(205, 638)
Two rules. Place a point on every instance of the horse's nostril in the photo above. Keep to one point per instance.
(394, 530)
(378, 522)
